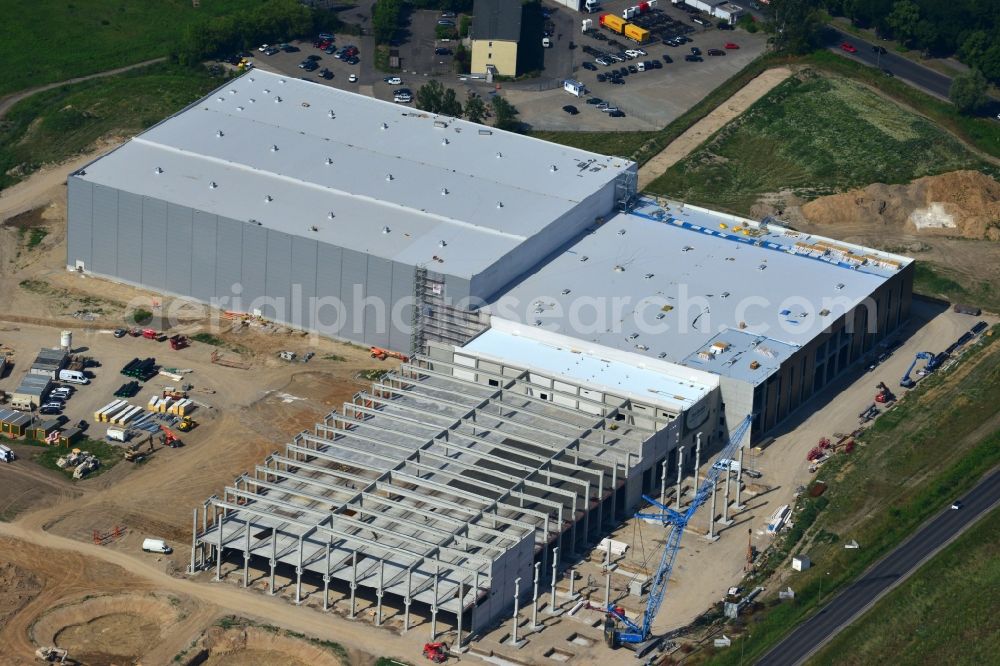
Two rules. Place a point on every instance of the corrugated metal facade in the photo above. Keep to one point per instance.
(241, 266)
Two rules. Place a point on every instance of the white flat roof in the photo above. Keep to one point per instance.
(673, 386)
(264, 140)
(669, 281)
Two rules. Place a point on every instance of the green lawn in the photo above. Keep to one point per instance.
(944, 614)
(46, 41)
(813, 134)
(59, 123)
(108, 455)
(622, 144)
(910, 464)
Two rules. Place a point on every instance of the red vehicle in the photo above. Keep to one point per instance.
(324, 44)
(847, 46)
(149, 334)
(436, 652)
(732, 45)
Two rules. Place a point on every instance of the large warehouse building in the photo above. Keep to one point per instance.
(567, 336)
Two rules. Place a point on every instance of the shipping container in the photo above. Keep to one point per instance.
(613, 23)
(634, 32)
(967, 309)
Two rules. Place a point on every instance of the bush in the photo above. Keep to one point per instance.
(140, 316)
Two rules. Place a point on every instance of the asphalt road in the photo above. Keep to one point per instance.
(901, 67)
(888, 572)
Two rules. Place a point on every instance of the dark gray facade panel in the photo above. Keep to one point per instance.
(254, 264)
(203, 258)
(229, 254)
(353, 275)
(80, 213)
(154, 243)
(278, 279)
(401, 314)
(378, 301)
(105, 226)
(303, 278)
(179, 249)
(129, 236)
(329, 314)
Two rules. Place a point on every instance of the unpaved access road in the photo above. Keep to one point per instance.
(683, 145)
(269, 610)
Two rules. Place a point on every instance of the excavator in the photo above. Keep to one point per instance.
(133, 452)
(170, 439)
(52, 654)
(382, 354)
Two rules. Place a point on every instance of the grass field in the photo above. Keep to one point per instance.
(944, 606)
(59, 123)
(913, 462)
(623, 144)
(813, 134)
(108, 455)
(46, 41)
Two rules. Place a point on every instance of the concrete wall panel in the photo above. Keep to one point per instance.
(401, 313)
(105, 230)
(153, 265)
(229, 254)
(378, 302)
(254, 265)
(129, 236)
(354, 273)
(303, 278)
(80, 232)
(179, 248)
(203, 257)
(277, 284)
(329, 313)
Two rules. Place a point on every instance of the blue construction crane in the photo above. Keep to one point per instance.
(675, 522)
(906, 382)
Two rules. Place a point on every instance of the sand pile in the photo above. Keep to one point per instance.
(963, 204)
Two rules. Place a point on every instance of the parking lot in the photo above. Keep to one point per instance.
(649, 99)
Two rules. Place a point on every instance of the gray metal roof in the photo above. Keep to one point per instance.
(50, 359)
(372, 176)
(763, 291)
(499, 20)
(15, 417)
(33, 385)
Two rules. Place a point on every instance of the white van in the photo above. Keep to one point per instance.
(724, 463)
(156, 546)
(546, 43)
(6, 454)
(118, 434)
(73, 377)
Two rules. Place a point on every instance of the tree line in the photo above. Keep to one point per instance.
(435, 98)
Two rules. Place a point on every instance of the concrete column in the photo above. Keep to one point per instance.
(614, 493)
(663, 484)
(534, 600)
(711, 517)
(680, 474)
(434, 603)
(553, 601)
(545, 543)
(194, 539)
(739, 483)
(274, 555)
(407, 601)
(607, 588)
(517, 601)
(218, 549)
(725, 502)
(697, 463)
(379, 593)
(204, 528)
(298, 576)
(458, 647)
(586, 513)
(246, 556)
(354, 584)
(572, 584)
(573, 521)
(326, 579)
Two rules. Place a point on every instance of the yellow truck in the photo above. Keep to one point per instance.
(636, 34)
(613, 23)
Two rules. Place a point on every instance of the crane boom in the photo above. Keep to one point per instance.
(675, 521)
(906, 382)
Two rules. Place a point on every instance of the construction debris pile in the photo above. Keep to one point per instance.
(82, 462)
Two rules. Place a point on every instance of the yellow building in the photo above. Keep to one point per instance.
(495, 33)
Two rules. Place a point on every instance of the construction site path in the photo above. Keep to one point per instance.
(680, 147)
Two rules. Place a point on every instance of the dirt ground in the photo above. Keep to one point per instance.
(679, 148)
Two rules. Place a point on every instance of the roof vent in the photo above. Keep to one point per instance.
(388, 176)
(444, 191)
(232, 91)
(251, 79)
(485, 132)
(499, 155)
(385, 230)
(840, 285)
(330, 114)
(252, 100)
(619, 268)
(440, 124)
(329, 161)
(633, 336)
(221, 99)
(274, 147)
(281, 80)
(621, 232)
(584, 258)
(442, 243)
(220, 134)
(330, 215)
(444, 141)
(239, 108)
(157, 170)
(553, 168)
(213, 185)
(499, 204)
(648, 276)
(538, 322)
(268, 198)
(565, 292)
(277, 99)
(385, 126)
(314, 228)
(266, 91)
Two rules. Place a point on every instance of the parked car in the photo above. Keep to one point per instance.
(393, 80)
(632, 69)
(847, 46)
(288, 48)
(732, 45)
(330, 50)
(353, 78)
(50, 408)
(589, 66)
(716, 52)
(667, 59)
(601, 78)
(326, 74)
(442, 50)
(571, 110)
(595, 101)
(353, 60)
(690, 57)
(695, 50)
(271, 50)
(617, 113)
(446, 22)
(447, 15)
(314, 57)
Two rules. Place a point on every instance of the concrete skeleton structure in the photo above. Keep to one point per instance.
(453, 477)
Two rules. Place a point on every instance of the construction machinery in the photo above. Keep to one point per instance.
(287, 355)
(382, 354)
(906, 382)
(178, 341)
(186, 424)
(170, 439)
(52, 654)
(618, 628)
(883, 395)
(436, 652)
